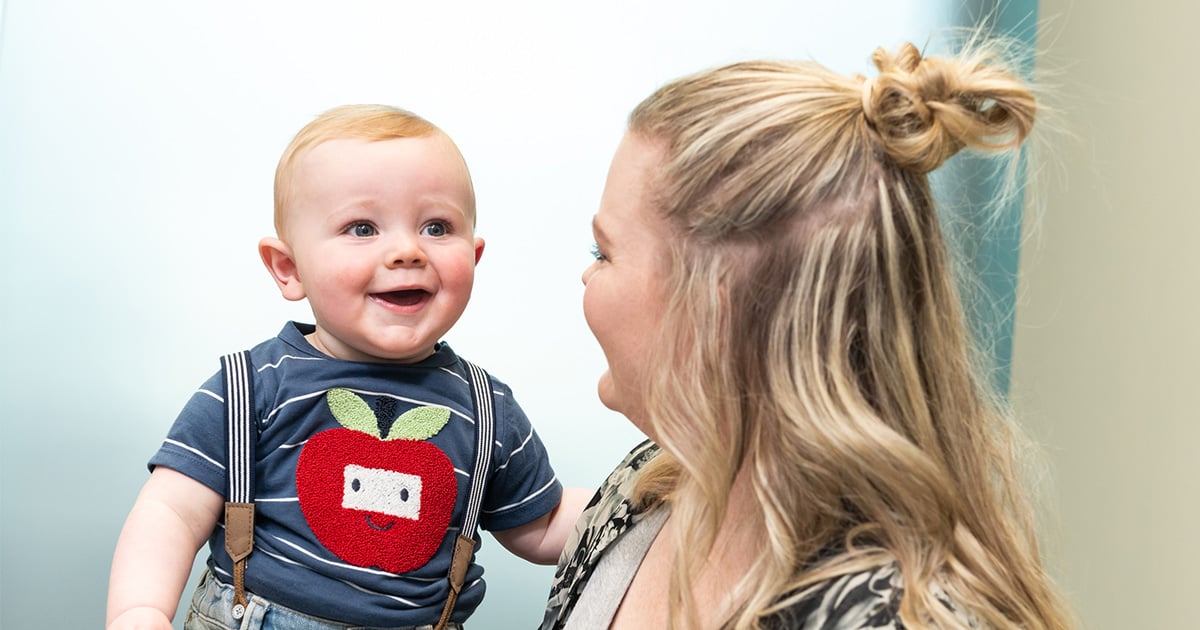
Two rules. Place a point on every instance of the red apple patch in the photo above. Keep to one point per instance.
(375, 501)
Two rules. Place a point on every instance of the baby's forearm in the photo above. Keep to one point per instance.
(140, 618)
(151, 564)
(541, 541)
(171, 519)
(562, 520)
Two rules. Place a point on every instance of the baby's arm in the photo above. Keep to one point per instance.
(172, 517)
(541, 541)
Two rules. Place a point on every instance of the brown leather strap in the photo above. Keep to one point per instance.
(239, 542)
(464, 548)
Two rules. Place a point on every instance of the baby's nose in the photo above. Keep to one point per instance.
(405, 251)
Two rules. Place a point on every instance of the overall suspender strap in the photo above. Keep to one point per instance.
(241, 442)
(464, 546)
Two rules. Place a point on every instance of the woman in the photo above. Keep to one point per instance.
(776, 305)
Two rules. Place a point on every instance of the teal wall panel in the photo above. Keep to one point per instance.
(987, 229)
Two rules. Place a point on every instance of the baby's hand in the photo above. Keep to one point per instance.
(141, 618)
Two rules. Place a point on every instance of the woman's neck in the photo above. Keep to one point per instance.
(736, 547)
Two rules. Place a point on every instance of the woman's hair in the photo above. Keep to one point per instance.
(364, 122)
(816, 337)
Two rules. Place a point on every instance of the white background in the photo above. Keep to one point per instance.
(138, 141)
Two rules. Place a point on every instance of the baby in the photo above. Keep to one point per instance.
(366, 422)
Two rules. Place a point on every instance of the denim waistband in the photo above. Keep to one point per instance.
(212, 605)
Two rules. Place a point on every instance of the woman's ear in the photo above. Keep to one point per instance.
(277, 256)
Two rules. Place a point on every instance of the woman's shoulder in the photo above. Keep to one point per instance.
(620, 482)
(609, 514)
(611, 511)
(865, 599)
(868, 599)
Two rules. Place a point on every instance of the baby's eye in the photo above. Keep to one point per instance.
(362, 230)
(597, 254)
(435, 229)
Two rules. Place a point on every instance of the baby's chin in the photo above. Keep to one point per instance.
(397, 352)
(399, 355)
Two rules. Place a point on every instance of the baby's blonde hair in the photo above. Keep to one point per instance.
(814, 336)
(364, 122)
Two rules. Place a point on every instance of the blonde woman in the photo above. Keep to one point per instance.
(775, 301)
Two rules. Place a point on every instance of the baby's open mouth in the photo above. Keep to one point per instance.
(407, 297)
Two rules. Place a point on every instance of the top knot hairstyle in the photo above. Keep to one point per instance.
(926, 110)
(740, 121)
(816, 339)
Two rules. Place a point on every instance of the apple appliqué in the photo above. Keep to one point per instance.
(377, 501)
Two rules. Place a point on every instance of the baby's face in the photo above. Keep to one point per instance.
(383, 240)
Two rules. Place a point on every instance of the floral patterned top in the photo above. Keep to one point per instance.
(868, 599)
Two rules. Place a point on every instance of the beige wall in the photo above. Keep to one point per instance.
(1107, 344)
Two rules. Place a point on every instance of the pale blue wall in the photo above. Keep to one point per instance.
(137, 144)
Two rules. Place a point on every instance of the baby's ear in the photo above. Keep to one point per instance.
(277, 256)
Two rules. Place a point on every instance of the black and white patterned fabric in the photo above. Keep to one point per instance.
(608, 515)
(857, 601)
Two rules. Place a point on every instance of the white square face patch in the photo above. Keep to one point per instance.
(385, 491)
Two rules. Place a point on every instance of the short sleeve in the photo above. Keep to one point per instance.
(522, 485)
(195, 444)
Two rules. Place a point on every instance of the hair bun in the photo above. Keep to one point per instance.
(926, 110)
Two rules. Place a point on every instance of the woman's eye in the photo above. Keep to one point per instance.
(437, 228)
(596, 253)
(362, 230)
